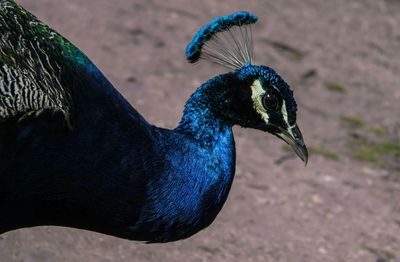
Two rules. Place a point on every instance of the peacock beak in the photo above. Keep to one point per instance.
(294, 138)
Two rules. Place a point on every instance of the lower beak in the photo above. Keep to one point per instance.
(294, 138)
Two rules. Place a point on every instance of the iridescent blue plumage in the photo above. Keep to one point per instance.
(109, 170)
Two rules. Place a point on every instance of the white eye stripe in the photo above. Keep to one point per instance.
(256, 93)
(284, 113)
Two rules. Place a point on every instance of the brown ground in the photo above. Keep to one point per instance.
(343, 61)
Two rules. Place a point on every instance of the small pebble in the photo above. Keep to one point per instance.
(322, 251)
(316, 199)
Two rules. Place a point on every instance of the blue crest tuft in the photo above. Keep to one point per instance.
(219, 24)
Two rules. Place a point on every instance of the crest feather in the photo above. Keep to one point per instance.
(226, 40)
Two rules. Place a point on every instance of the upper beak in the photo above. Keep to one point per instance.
(295, 139)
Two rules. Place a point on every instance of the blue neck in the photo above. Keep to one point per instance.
(200, 157)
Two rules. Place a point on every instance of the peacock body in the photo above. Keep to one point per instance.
(74, 152)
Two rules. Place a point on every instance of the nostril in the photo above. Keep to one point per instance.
(296, 133)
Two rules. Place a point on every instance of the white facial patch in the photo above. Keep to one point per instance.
(284, 113)
(256, 93)
(285, 117)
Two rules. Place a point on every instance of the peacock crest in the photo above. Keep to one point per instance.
(226, 40)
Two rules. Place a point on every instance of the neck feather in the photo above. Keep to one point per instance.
(202, 118)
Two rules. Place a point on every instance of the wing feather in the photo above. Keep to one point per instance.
(34, 62)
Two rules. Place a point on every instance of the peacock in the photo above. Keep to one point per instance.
(75, 153)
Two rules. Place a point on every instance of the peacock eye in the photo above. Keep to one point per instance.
(270, 101)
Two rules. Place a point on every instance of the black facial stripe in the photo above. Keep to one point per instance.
(277, 120)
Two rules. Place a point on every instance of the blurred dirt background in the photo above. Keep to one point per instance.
(341, 57)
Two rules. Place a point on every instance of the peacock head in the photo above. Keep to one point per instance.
(257, 97)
